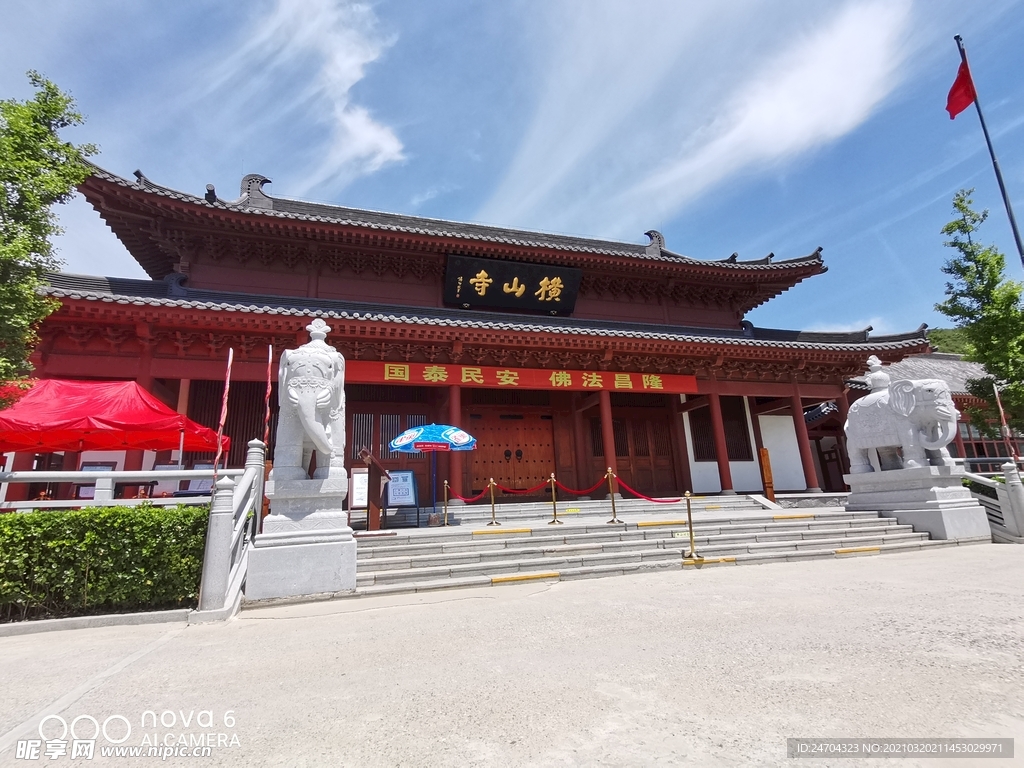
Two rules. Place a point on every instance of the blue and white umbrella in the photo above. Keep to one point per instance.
(431, 438)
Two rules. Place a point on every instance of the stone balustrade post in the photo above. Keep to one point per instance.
(104, 489)
(1014, 516)
(217, 555)
(255, 460)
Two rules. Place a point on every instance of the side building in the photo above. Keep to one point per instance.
(560, 354)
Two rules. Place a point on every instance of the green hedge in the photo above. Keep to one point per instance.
(100, 560)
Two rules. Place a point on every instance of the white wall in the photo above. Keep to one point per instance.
(778, 434)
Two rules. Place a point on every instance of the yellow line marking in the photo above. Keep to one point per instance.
(503, 530)
(712, 506)
(653, 523)
(791, 517)
(707, 560)
(848, 550)
(524, 577)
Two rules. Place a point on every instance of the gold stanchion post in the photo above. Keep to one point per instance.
(611, 495)
(554, 503)
(446, 503)
(689, 524)
(494, 520)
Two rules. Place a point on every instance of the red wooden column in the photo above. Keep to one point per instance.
(608, 432)
(803, 442)
(721, 449)
(455, 457)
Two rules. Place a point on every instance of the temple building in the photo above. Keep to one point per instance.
(559, 354)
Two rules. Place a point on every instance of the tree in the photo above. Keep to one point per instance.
(986, 306)
(37, 170)
(948, 340)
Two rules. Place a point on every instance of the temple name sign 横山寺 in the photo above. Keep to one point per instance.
(438, 375)
(489, 283)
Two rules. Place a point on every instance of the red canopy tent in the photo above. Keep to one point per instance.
(64, 415)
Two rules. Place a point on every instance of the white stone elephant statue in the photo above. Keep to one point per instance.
(311, 389)
(914, 416)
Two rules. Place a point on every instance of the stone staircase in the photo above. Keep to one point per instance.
(728, 530)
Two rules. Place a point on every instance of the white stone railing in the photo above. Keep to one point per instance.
(236, 505)
(1006, 510)
(105, 483)
(234, 521)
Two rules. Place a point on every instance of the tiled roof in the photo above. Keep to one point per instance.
(170, 293)
(336, 214)
(952, 369)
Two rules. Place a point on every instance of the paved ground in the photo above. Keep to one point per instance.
(708, 668)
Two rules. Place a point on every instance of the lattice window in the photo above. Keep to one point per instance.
(596, 438)
(641, 445)
(390, 428)
(662, 438)
(362, 432)
(621, 442)
(737, 435)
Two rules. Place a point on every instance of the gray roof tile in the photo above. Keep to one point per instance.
(393, 222)
(167, 293)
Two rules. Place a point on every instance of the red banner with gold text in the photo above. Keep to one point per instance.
(443, 375)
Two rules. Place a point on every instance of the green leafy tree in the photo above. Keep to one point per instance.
(37, 170)
(986, 306)
(948, 340)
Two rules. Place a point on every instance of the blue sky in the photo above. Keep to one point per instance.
(730, 126)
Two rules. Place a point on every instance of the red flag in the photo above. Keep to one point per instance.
(961, 95)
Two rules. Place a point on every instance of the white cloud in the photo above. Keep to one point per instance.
(624, 139)
(430, 193)
(299, 64)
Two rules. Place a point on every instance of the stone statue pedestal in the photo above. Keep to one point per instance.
(306, 546)
(931, 499)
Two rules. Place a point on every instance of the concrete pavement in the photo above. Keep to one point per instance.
(710, 667)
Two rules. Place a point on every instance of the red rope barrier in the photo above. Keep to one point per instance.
(587, 492)
(501, 487)
(470, 500)
(646, 498)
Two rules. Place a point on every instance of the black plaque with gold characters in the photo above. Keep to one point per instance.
(486, 283)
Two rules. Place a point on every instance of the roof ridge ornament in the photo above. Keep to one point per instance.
(657, 244)
(252, 194)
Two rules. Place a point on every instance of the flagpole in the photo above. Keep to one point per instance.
(266, 399)
(223, 416)
(1007, 434)
(992, 153)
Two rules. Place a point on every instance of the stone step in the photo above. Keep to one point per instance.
(670, 549)
(443, 540)
(642, 539)
(619, 569)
